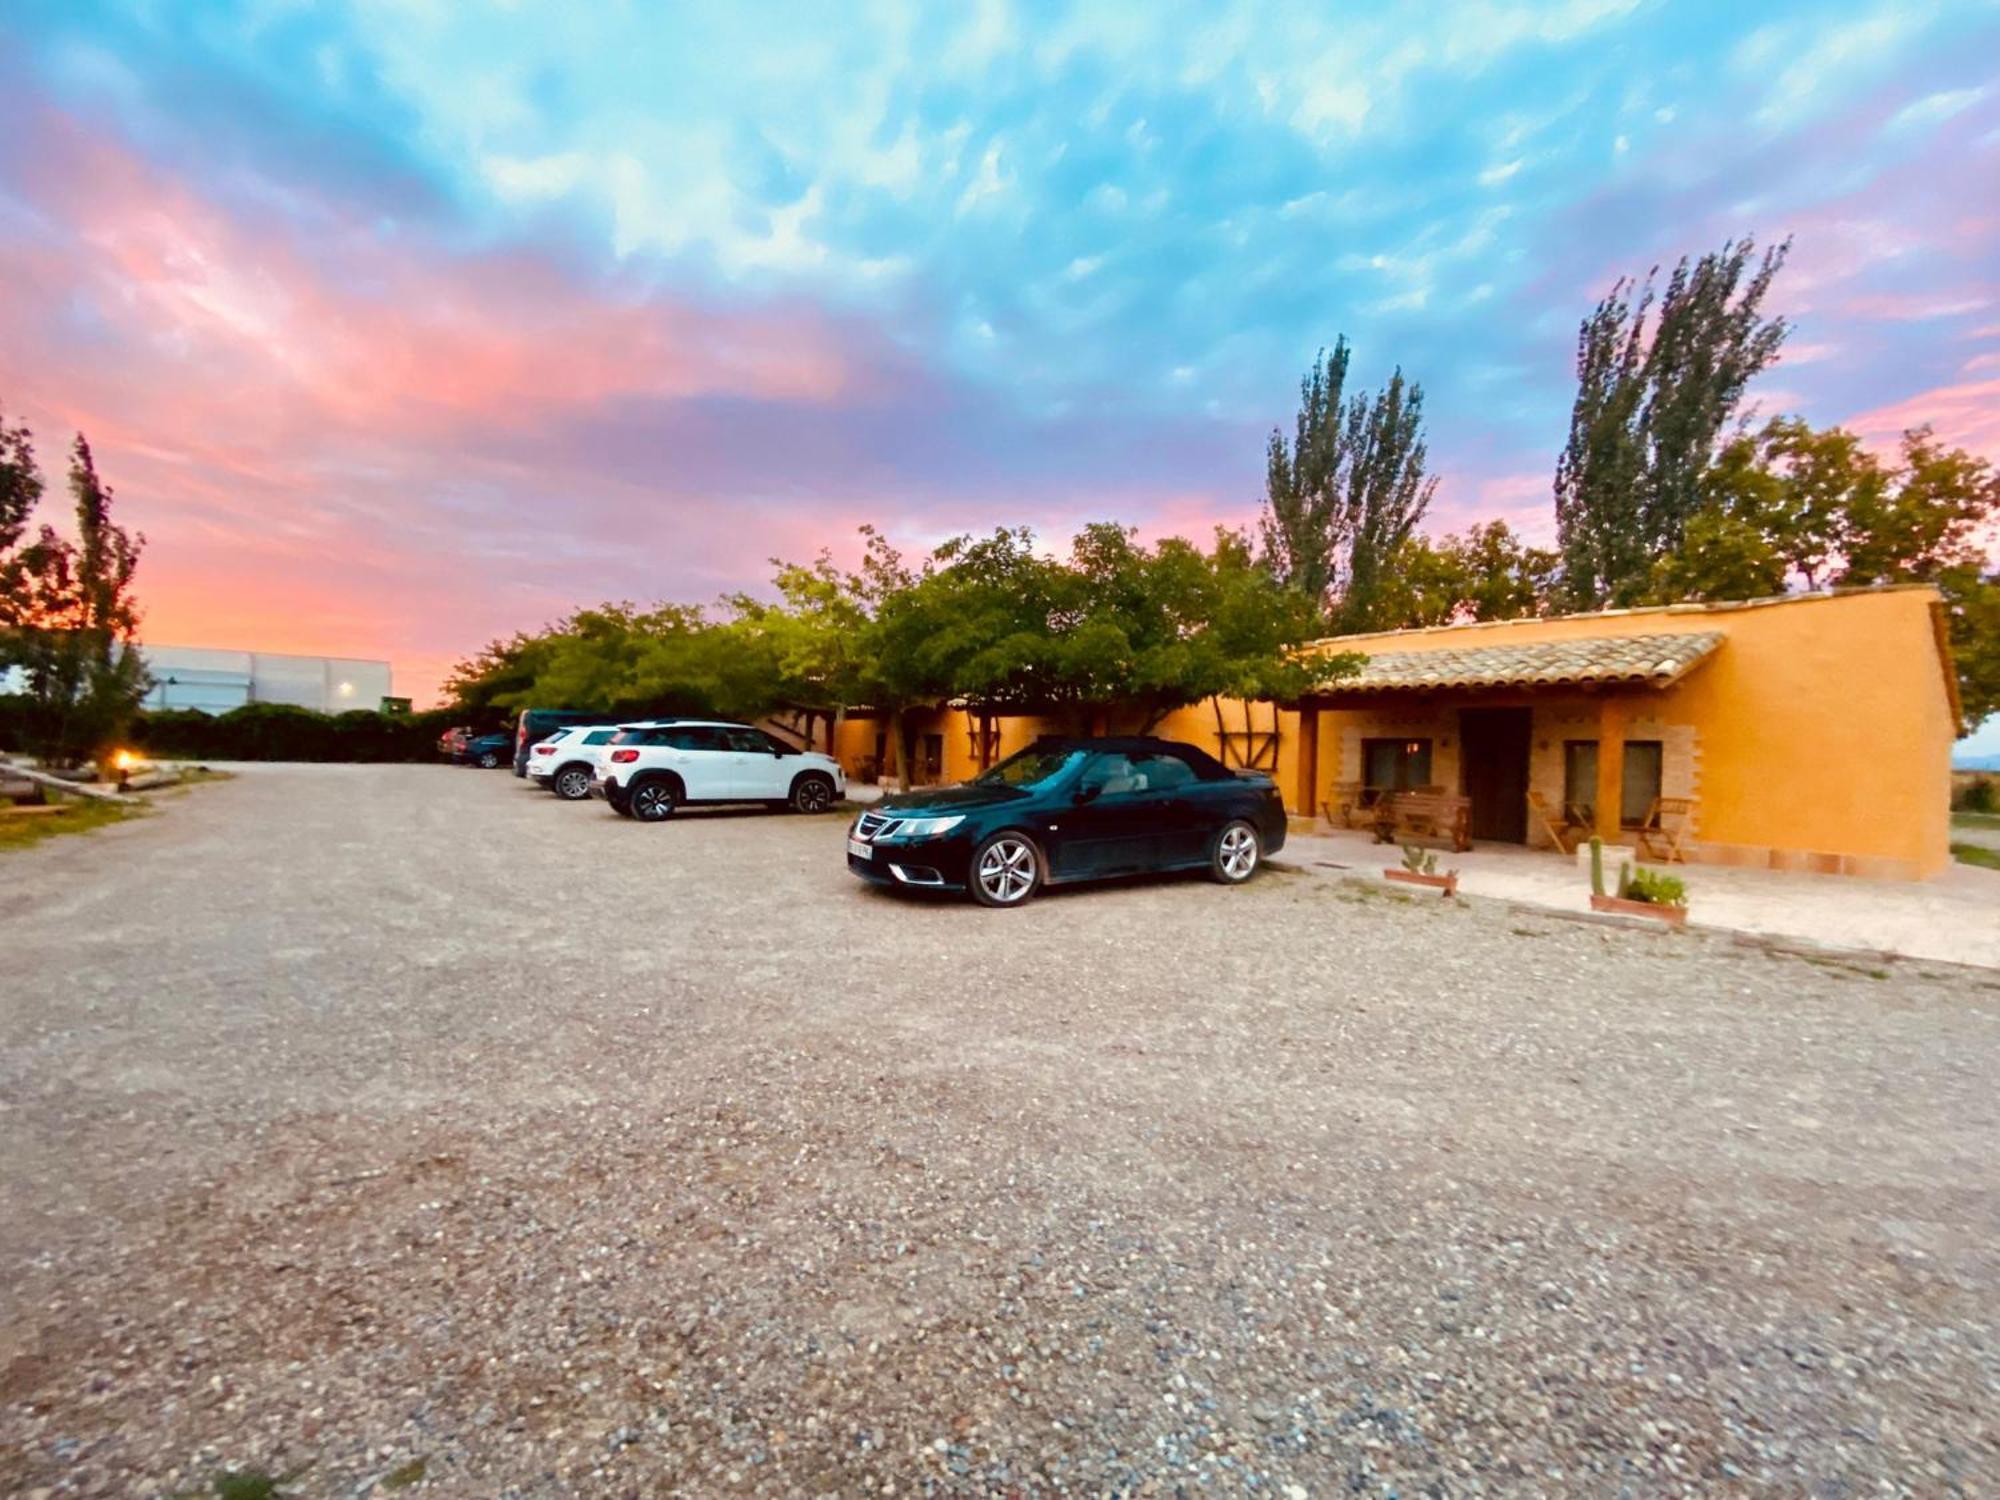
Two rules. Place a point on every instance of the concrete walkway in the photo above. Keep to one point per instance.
(1954, 918)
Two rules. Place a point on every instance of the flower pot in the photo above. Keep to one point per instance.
(1448, 882)
(1673, 916)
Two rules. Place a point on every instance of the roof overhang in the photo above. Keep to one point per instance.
(1596, 662)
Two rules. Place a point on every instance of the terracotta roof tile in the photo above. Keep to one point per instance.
(1648, 660)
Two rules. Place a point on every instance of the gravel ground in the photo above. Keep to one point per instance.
(401, 1124)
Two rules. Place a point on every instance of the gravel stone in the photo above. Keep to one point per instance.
(404, 1130)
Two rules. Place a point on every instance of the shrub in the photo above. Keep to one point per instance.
(1977, 795)
(279, 731)
(1654, 887)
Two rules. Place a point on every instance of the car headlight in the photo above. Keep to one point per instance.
(925, 828)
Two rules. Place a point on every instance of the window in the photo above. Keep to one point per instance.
(1113, 775)
(933, 756)
(1395, 765)
(689, 737)
(1119, 775)
(1165, 773)
(1643, 762)
(598, 736)
(1029, 767)
(750, 741)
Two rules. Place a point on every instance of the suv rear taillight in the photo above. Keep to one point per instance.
(624, 757)
(545, 749)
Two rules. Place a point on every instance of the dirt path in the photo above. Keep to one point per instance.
(363, 1119)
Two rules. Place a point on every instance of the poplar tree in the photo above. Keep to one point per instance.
(72, 619)
(1660, 378)
(20, 489)
(1304, 524)
(1346, 493)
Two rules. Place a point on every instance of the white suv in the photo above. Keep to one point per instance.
(645, 771)
(566, 760)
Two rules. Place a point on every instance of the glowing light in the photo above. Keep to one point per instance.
(346, 690)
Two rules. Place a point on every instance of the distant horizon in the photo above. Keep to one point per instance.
(399, 331)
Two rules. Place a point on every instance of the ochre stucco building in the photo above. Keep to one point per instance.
(1809, 732)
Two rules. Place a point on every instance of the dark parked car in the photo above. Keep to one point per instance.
(453, 740)
(485, 750)
(537, 724)
(1072, 809)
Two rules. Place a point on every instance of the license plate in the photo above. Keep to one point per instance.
(860, 850)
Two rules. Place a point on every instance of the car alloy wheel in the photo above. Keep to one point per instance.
(812, 795)
(1236, 852)
(1007, 870)
(652, 803)
(573, 786)
(489, 761)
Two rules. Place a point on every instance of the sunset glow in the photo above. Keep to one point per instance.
(400, 327)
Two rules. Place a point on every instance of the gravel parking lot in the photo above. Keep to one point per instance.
(393, 1125)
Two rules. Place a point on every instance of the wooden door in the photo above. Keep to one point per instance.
(1493, 771)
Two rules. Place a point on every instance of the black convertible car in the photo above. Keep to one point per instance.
(1072, 809)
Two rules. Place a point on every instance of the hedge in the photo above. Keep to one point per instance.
(268, 731)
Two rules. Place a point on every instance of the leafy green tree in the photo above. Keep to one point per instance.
(1723, 555)
(1486, 573)
(1654, 396)
(483, 685)
(1347, 492)
(971, 625)
(1427, 585)
(1504, 578)
(1148, 630)
(819, 630)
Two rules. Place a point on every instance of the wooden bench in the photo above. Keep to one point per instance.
(1413, 817)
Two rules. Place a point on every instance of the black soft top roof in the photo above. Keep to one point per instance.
(1206, 766)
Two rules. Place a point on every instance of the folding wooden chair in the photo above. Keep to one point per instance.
(1343, 807)
(1565, 835)
(1663, 834)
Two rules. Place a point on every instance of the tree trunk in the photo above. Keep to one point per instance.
(902, 752)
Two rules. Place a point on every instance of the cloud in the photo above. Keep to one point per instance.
(509, 314)
(1965, 415)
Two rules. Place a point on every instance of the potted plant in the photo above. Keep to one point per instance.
(1641, 892)
(1420, 867)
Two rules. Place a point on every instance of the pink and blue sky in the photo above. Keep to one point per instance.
(400, 326)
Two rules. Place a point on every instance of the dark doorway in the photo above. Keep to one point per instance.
(1493, 769)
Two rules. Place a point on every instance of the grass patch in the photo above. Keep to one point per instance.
(74, 815)
(1976, 854)
(85, 814)
(244, 1484)
(1975, 820)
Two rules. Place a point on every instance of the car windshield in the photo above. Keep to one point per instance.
(1029, 767)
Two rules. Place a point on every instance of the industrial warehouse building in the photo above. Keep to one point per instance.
(215, 681)
(1807, 732)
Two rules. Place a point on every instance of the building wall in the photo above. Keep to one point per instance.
(1818, 736)
(217, 680)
